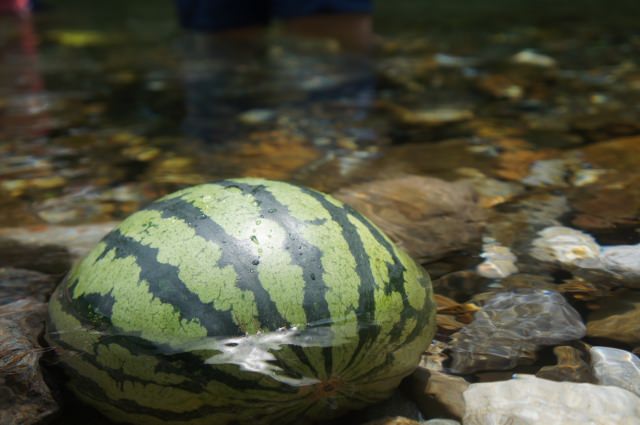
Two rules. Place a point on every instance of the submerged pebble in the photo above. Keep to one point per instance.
(510, 328)
(616, 367)
(617, 319)
(530, 57)
(571, 366)
(578, 249)
(499, 261)
(567, 246)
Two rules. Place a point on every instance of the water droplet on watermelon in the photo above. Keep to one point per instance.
(255, 262)
(254, 239)
(258, 222)
(313, 276)
(271, 210)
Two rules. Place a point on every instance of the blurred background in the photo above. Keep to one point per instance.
(104, 106)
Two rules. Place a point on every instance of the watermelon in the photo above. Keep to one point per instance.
(243, 301)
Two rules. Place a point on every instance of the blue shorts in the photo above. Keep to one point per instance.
(216, 15)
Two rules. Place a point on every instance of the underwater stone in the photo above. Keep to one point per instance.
(510, 327)
(571, 367)
(441, 422)
(527, 400)
(623, 260)
(617, 319)
(420, 213)
(25, 398)
(530, 57)
(572, 247)
(567, 246)
(437, 393)
(499, 261)
(616, 367)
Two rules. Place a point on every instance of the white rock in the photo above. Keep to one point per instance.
(499, 260)
(256, 116)
(567, 246)
(529, 57)
(622, 259)
(619, 368)
(545, 173)
(578, 249)
(441, 422)
(527, 400)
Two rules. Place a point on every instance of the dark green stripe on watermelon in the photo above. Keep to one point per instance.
(166, 285)
(308, 258)
(368, 330)
(235, 249)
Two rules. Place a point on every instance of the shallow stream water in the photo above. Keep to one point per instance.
(105, 106)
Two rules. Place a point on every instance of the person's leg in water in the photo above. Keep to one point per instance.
(225, 34)
(348, 21)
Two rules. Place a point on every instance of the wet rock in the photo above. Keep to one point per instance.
(518, 225)
(427, 117)
(584, 290)
(500, 86)
(74, 240)
(491, 191)
(620, 368)
(256, 116)
(615, 199)
(499, 261)
(567, 246)
(530, 57)
(527, 400)
(434, 357)
(45, 258)
(453, 315)
(452, 61)
(547, 173)
(509, 329)
(16, 284)
(420, 213)
(441, 422)
(398, 420)
(25, 399)
(18, 187)
(437, 393)
(617, 319)
(574, 248)
(623, 260)
(606, 207)
(571, 367)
